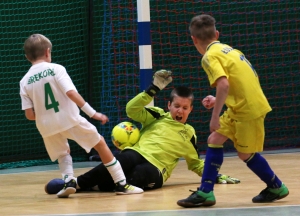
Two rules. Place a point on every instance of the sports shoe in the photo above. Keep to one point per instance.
(271, 194)
(225, 179)
(127, 189)
(197, 199)
(69, 188)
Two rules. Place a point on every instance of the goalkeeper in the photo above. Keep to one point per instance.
(164, 139)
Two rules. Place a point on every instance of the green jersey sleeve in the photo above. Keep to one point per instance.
(137, 111)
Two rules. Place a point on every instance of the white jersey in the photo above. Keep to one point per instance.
(44, 88)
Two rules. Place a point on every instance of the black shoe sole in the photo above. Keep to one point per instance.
(192, 205)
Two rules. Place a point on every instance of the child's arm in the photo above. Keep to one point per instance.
(85, 107)
(76, 98)
(221, 95)
(30, 114)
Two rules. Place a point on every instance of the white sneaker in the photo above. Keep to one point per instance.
(127, 189)
(69, 188)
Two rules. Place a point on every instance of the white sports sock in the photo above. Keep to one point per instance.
(65, 164)
(116, 171)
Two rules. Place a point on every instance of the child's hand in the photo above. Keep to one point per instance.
(162, 78)
(209, 101)
(101, 117)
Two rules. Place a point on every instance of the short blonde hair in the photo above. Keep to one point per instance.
(203, 27)
(36, 45)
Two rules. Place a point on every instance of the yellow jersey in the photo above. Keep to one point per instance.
(245, 100)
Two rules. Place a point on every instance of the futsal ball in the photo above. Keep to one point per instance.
(54, 186)
(125, 134)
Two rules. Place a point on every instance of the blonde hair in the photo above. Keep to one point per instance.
(203, 27)
(36, 45)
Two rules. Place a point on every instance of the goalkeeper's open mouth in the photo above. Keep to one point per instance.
(178, 118)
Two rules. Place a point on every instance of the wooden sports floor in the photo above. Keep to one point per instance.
(22, 192)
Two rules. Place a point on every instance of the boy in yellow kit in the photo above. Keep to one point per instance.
(237, 86)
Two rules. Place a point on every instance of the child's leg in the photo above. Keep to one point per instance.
(65, 164)
(58, 149)
(114, 168)
(86, 135)
(214, 153)
(146, 176)
(204, 196)
(250, 139)
(275, 188)
(212, 165)
(262, 169)
(99, 175)
(110, 162)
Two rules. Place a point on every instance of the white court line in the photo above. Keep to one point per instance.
(177, 211)
(39, 171)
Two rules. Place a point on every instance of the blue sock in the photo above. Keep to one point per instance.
(212, 165)
(261, 168)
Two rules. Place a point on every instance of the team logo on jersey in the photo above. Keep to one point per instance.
(183, 134)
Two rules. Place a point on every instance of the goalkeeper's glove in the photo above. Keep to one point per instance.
(161, 79)
(225, 179)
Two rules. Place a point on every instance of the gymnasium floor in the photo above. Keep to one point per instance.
(22, 192)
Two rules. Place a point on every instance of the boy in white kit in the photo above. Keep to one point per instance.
(50, 98)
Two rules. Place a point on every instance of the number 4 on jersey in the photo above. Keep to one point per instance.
(49, 95)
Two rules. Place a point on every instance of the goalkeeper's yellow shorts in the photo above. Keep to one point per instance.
(247, 136)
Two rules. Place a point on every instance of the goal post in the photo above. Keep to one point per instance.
(144, 42)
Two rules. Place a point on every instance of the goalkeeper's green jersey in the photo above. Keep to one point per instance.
(163, 141)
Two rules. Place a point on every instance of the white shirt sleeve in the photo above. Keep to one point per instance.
(64, 81)
(26, 101)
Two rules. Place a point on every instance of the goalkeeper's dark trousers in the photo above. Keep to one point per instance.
(138, 171)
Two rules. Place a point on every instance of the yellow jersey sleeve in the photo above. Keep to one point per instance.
(213, 69)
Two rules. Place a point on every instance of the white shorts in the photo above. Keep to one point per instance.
(85, 134)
